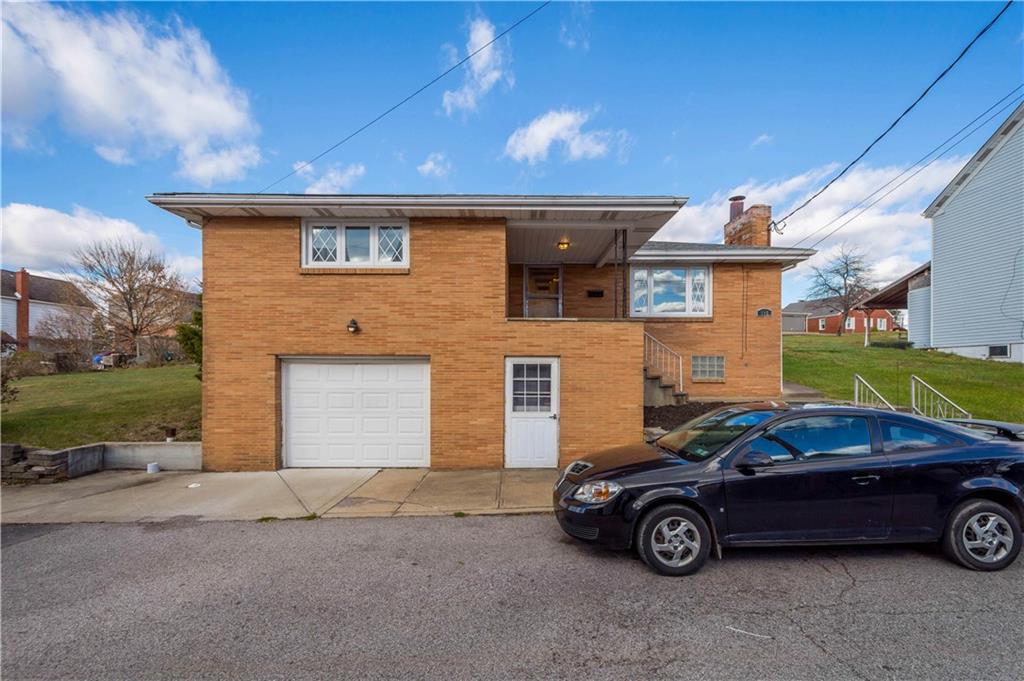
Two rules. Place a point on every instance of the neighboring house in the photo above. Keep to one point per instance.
(969, 300)
(826, 316)
(27, 299)
(467, 331)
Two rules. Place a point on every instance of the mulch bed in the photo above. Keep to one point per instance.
(672, 416)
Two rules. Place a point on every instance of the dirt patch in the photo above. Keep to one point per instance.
(672, 416)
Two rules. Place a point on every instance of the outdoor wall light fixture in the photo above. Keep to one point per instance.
(353, 326)
(563, 244)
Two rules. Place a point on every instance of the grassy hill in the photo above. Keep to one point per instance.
(985, 388)
(121, 404)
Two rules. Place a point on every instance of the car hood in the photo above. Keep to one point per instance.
(625, 460)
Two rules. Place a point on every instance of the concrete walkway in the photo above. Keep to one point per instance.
(135, 496)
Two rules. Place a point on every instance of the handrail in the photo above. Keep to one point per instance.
(927, 401)
(864, 395)
(663, 358)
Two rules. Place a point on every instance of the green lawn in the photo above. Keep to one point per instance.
(827, 363)
(121, 404)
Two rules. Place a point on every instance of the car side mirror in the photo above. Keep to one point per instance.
(754, 459)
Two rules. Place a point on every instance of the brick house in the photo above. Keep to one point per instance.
(467, 331)
(27, 299)
(826, 316)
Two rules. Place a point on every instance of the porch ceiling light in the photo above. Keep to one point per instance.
(563, 244)
(353, 326)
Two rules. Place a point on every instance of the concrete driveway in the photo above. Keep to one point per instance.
(135, 496)
(482, 597)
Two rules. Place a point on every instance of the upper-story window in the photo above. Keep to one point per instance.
(666, 291)
(333, 243)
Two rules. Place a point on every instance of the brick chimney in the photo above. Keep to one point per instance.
(748, 227)
(21, 290)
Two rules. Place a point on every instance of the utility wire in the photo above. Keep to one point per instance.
(386, 112)
(906, 170)
(899, 118)
(951, 148)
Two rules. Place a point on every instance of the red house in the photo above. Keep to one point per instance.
(826, 316)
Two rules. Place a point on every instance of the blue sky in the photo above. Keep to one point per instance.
(104, 104)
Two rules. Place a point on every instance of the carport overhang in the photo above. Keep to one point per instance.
(893, 296)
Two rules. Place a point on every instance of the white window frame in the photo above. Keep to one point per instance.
(851, 323)
(374, 263)
(689, 267)
(706, 379)
(882, 324)
(821, 323)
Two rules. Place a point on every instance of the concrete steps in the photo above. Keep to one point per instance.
(658, 393)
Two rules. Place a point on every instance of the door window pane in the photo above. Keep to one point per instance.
(640, 291)
(900, 437)
(324, 242)
(817, 437)
(669, 291)
(357, 244)
(529, 392)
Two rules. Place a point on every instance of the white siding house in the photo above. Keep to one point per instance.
(977, 272)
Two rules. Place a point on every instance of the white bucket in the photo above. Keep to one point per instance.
(152, 468)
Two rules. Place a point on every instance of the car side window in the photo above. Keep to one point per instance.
(898, 437)
(815, 437)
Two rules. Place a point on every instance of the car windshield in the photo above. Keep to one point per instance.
(702, 437)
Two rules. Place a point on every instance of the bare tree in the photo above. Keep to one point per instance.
(72, 332)
(132, 287)
(845, 279)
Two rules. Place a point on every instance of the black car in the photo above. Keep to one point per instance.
(770, 473)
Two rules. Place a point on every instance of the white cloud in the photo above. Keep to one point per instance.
(42, 239)
(117, 155)
(126, 85)
(484, 70)
(533, 142)
(436, 165)
(763, 138)
(575, 29)
(893, 233)
(334, 180)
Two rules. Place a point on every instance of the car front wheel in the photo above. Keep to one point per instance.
(982, 535)
(674, 540)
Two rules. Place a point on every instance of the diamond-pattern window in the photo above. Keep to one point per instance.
(325, 244)
(698, 289)
(391, 244)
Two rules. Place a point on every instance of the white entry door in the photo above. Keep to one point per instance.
(356, 413)
(531, 412)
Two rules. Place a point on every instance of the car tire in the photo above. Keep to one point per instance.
(674, 540)
(977, 534)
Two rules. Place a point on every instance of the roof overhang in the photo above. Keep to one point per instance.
(980, 158)
(893, 296)
(601, 212)
(787, 257)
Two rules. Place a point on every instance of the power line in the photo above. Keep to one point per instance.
(386, 112)
(906, 170)
(901, 116)
(951, 148)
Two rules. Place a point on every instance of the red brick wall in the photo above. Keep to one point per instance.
(833, 322)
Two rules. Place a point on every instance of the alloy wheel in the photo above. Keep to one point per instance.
(675, 541)
(987, 537)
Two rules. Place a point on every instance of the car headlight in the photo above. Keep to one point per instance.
(597, 492)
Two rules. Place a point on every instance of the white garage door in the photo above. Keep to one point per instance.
(365, 414)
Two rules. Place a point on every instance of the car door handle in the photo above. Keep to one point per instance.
(864, 479)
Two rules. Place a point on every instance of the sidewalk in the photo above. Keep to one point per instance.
(135, 496)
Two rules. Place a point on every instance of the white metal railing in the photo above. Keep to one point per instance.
(864, 395)
(664, 360)
(927, 401)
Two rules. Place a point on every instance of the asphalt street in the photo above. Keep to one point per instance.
(482, 597)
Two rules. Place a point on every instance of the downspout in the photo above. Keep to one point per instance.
(625, 278)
